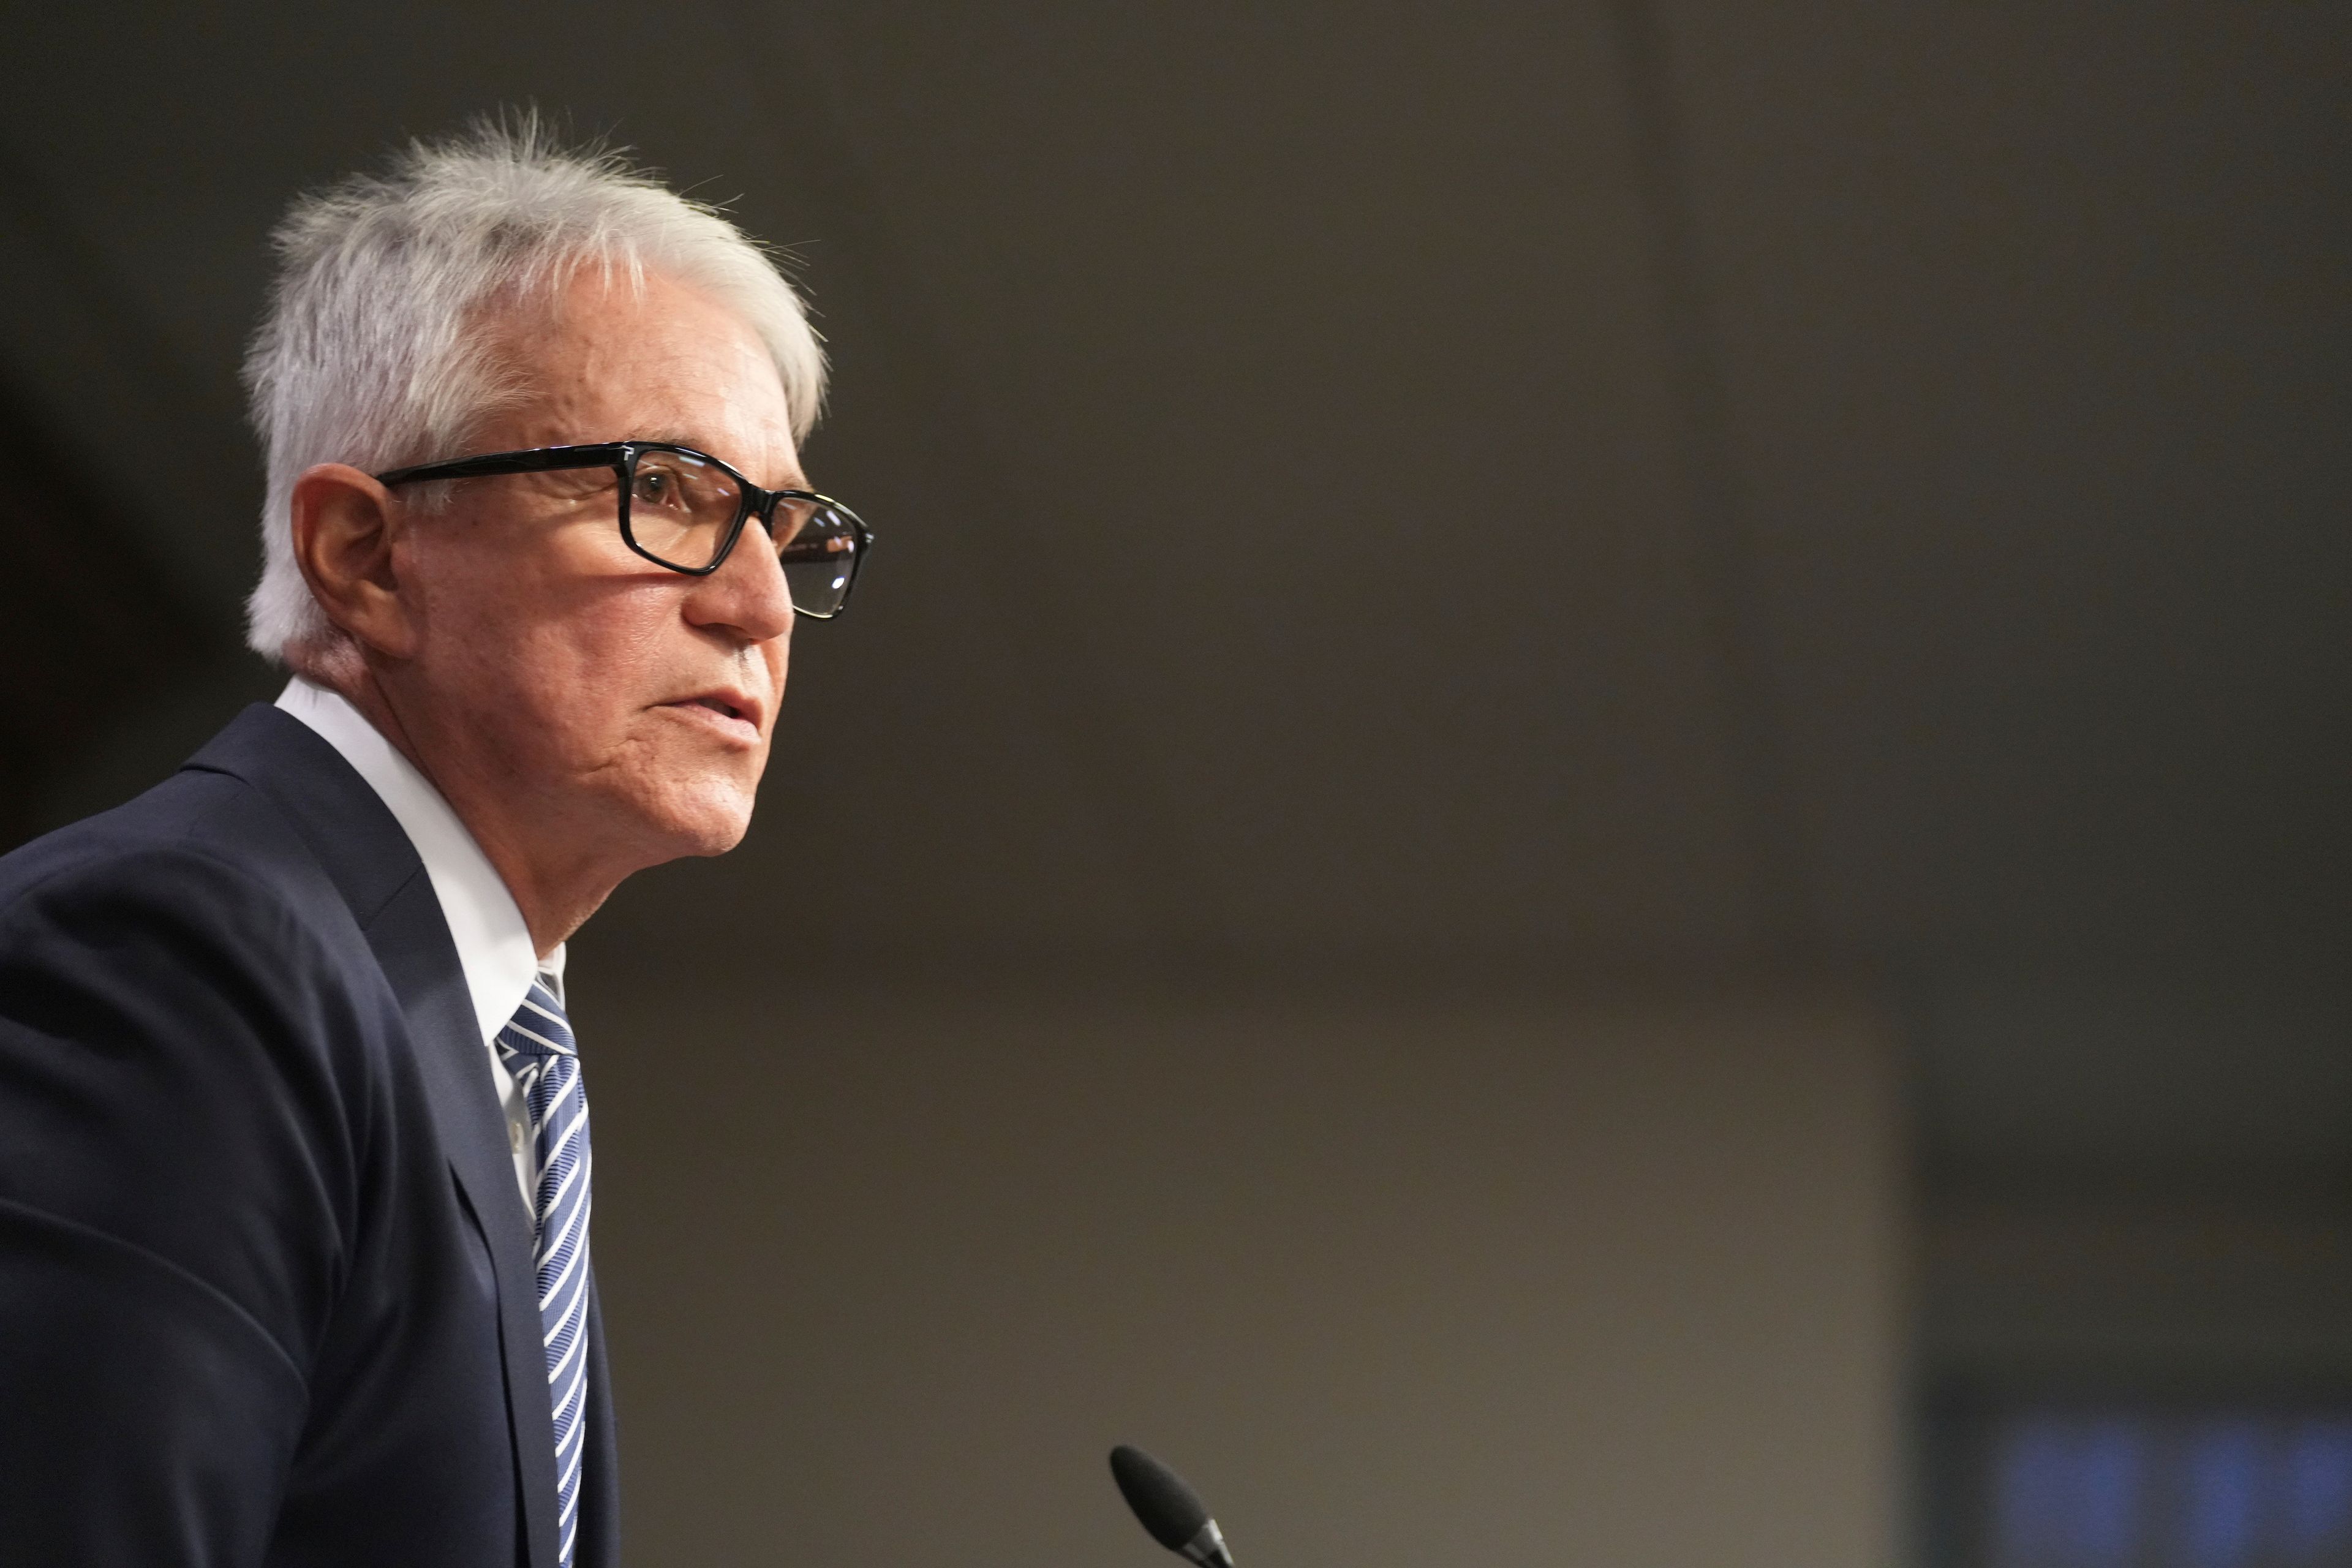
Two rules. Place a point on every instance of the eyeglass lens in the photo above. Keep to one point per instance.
(817, 545)
(682, 507)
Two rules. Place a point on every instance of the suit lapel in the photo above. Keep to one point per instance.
(412, 942)
(361, 846)
(599, 1545)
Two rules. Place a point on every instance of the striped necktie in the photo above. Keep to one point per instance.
(537, 1048)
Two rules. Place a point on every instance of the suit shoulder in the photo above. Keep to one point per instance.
(199, 1056)
(199, 834)
(201, 874)
(172, 957)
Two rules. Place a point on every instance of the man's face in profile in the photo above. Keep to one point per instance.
(617, 702)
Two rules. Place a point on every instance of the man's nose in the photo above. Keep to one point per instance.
(748, 592)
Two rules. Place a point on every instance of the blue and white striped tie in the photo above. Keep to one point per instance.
(538, 1048)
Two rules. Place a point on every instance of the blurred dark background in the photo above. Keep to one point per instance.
(1676, 671)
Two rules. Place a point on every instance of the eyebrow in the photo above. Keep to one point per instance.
(799, 481)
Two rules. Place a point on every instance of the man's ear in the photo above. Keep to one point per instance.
(345, 525)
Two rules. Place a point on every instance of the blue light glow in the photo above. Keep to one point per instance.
(2080, 1489)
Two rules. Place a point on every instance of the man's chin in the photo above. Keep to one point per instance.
(701, 819)
(719, 840)
(701, 835)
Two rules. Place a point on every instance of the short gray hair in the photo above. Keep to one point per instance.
(369, 352)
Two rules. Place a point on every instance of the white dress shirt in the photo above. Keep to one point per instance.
(493, 946)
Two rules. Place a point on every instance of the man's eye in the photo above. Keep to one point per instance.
(654, 486)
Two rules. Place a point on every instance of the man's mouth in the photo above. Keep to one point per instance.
(731, 713)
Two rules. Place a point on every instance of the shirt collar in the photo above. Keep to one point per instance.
(494, 946)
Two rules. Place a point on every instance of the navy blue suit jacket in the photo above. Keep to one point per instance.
(265, 1282)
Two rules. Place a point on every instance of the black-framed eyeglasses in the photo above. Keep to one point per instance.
(685, 510)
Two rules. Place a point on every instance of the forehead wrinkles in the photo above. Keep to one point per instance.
(608, 358)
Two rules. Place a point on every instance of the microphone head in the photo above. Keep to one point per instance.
(1168, 1509)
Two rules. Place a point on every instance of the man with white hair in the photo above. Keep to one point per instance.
(295, 1169)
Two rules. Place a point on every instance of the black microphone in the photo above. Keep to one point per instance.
(1168, 1509)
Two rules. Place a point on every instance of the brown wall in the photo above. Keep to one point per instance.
(886, 1278)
